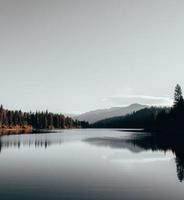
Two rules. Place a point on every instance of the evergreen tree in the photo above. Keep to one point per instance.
(38, 120)
(178, 97)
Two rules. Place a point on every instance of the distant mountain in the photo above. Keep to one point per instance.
(97, 115)
(144, 119)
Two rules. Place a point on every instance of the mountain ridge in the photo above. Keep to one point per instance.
(100, 114)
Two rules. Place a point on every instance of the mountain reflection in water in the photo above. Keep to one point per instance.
(136, 143)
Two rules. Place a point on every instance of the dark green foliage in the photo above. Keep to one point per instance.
(140, 119)
(38, 120)
(152, 119)
(173, 120)
(178, 98)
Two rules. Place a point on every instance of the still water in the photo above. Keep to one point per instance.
(90, 165)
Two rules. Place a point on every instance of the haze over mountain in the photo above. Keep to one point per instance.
(97, 115)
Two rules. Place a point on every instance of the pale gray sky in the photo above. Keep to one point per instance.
(78, 55)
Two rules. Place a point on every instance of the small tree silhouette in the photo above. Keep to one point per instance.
(178, 97)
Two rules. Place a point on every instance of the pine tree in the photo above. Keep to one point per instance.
(178, 97)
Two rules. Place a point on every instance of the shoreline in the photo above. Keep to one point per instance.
(18, 130)
(8, 130)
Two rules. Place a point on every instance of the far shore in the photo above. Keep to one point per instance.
(28, 129)
(7, 130)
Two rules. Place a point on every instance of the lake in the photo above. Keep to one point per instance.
(91, 164)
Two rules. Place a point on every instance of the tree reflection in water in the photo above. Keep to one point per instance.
(36, 141)
(162, 142)
(139, 142)
(136, 142)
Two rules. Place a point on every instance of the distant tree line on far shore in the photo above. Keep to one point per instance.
(163, 119)
(37, 120)
(143, 118)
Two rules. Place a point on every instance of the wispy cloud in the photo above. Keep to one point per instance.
(142, 99)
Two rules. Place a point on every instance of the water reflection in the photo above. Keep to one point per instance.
(32, 140)
(112, 142)
(134, 142)
(159, 142)
(139, 142)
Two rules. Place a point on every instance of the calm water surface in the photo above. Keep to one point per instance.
(90, 165)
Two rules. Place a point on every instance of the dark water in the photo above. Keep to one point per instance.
(91, 165)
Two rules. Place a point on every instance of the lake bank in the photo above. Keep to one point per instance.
(17, 130)
(8, 130)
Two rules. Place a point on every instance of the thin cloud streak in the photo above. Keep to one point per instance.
(124, 100)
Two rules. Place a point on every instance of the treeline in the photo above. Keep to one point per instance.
(172, 121)
(140, 119)
(38, 120)
(151, 119)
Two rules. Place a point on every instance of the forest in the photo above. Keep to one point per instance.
(143, 118)
(157, 119)
(39, 120)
